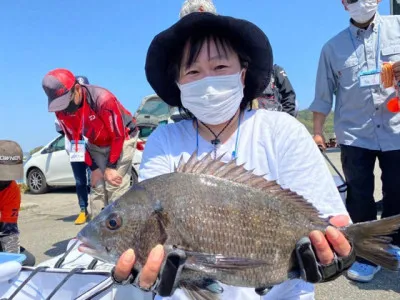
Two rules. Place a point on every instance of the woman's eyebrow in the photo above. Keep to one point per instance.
(218, 57)
(221, 56)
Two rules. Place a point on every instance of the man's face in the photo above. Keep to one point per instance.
(75, 100)
(347, 2)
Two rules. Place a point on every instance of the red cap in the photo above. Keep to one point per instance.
(57, 85)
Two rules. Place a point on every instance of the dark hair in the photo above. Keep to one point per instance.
(223, 42)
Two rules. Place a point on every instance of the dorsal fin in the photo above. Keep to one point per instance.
(237, 173)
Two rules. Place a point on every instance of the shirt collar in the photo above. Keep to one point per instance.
(373, 26)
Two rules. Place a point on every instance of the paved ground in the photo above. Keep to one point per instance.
(46, 224)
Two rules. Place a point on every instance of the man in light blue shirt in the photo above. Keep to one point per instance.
(349, 69)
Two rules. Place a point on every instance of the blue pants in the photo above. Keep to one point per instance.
(82, 178)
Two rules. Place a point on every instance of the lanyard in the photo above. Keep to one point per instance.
(378, 48)
(82, 123)
(234, 152)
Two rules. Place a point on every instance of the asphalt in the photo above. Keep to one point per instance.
(47, 224)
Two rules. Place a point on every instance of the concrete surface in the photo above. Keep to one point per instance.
(46, 225)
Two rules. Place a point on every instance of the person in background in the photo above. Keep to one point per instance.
(350, 68)
(11, 169)
(279, 94)
(102, 132)
(81, 172)
(190, 6)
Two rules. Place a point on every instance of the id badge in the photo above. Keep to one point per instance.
(77, 154)
(370, 79)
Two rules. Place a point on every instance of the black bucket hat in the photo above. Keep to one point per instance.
(168, 44)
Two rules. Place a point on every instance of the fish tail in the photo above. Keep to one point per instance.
(371, 240)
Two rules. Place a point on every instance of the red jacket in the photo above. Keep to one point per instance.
(10, 201)
(105, 123)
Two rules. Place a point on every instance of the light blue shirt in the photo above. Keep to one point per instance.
(361, 117)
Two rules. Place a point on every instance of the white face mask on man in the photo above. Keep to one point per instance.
(362, 10)
(215, 99)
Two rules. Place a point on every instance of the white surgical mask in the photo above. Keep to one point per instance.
(363, 10)
(213, 100)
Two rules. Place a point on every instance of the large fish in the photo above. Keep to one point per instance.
(235, 227)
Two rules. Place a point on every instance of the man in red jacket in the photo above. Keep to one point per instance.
(102, 133)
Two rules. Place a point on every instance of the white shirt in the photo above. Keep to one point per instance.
(272, 143)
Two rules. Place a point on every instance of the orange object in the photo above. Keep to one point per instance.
(388, 80)
(393, 105)
(387, 75)
(10, 201)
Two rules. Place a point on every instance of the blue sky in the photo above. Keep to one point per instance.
(107, 41)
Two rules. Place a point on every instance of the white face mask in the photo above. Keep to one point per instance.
(363, 10)
(213, 100)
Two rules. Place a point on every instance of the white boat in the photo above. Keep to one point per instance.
(72, 275)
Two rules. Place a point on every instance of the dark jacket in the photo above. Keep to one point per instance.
(281, 89)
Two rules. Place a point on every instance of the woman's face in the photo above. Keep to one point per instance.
(209, 62)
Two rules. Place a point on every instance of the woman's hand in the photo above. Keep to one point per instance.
(340, 244)
(149, 271)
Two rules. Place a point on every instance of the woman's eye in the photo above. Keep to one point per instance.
(192, 72)
(220, 67)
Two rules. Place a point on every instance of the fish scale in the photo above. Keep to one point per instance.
(273, 235)
(236, 227)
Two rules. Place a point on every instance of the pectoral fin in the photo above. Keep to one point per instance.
(218, 261)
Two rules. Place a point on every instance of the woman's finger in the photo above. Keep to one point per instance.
(152, 267)
(338, 241)
(340, 220)
(124, 265)
(322, 248)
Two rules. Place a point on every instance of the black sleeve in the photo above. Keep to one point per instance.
(8, 229)
(288, 96)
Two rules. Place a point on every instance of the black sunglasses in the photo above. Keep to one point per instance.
(351, 1)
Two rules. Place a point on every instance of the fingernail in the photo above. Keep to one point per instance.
(333, 233)
(128, 256)
(158, 253)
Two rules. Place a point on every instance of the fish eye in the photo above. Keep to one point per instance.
(113, 222)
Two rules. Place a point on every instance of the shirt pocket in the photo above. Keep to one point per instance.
(391, 53)
(347, 72)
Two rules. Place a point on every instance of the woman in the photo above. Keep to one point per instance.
(213, 66)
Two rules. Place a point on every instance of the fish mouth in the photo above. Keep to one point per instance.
(96, 251)
(87, 246)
